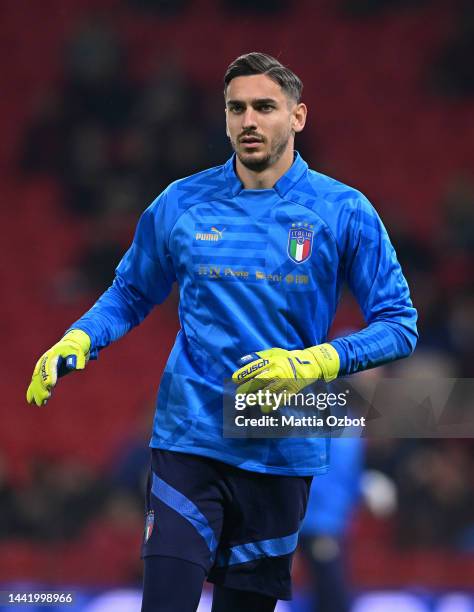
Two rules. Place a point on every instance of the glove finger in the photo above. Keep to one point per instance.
(282, 393)
(29, 394)
(276, 386)
(35, 380)
(45, 371)
(76, 360)
(81, 361)
(36, 394)
(250, 386)
(42, 396)
(52, 369)
(269, 404)
(257, 382)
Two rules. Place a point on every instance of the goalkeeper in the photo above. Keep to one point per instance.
(260, 249)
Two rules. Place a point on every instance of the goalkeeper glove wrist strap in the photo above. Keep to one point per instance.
(328, 360)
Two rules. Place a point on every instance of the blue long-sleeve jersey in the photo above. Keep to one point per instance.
(256, 269)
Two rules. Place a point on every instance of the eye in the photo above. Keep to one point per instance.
(266, 108)
(236, 109)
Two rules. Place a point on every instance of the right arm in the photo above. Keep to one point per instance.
(144, 277)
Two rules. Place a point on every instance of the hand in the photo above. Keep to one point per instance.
(70, 353)
(279, 370)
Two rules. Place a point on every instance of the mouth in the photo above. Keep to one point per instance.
(251, 142)
(248, 140)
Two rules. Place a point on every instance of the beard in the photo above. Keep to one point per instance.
(277, 149)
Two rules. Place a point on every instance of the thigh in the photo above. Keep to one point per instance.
(184, 508)
(260, 533)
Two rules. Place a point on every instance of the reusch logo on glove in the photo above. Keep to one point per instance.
(252, 368)
(44, 373)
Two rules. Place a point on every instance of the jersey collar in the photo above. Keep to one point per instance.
(282, 186)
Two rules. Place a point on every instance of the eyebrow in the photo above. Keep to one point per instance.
(254, 101)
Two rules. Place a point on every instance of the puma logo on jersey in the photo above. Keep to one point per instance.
(213, 236)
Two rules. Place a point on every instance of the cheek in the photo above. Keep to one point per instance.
(231, 128)
(281, 131)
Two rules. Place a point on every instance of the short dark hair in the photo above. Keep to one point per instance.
(261, 63)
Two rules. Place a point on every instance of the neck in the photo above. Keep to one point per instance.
(267, 178)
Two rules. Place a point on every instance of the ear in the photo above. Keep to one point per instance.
(298, 117)
(226, 126)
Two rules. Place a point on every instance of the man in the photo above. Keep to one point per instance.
(332, 501)
(260, 248)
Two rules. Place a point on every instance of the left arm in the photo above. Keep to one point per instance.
(374, 275)
(375, 278)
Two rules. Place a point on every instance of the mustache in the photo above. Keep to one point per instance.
(251, 134)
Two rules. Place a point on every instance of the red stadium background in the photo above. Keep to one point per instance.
(103, 103)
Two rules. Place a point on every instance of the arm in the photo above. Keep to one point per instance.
(375, 278)
(143, 278)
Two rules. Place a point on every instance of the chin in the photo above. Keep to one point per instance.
(254, 161)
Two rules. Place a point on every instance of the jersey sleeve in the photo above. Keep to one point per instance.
(143, 278)
(375, 278)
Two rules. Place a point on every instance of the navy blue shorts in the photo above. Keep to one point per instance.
(240, 526)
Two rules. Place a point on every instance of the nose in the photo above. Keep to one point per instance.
(249, 121)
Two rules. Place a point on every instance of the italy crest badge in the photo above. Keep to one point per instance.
(149, 522)
(300, 242)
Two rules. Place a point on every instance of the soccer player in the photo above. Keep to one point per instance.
(260, 248)
(332, 500)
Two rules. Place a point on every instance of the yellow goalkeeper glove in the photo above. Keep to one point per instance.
(70, 353)
(279, 370)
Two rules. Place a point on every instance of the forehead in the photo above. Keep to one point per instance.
(247, 88)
